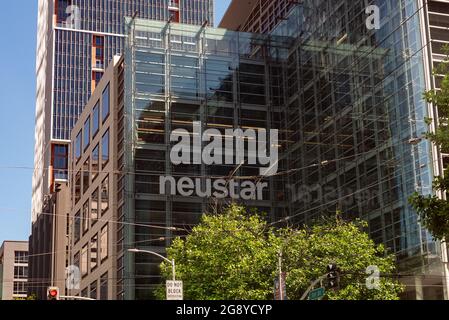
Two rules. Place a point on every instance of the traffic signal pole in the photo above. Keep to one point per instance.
(75, 298)
(281, 291)
(312, 285)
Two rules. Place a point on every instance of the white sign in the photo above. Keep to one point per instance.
(174, 290)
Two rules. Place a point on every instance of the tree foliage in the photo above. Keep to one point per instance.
(234, 256)
(432, 209)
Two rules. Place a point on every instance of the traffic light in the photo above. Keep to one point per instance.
(333, 275)
(53, 293)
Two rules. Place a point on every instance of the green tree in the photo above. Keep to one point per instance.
(308, 252)
(226, 257)
(234, 256)
(434, 211)
(31, 297)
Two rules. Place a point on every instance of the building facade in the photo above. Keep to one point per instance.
(93, 217)
(256, 16)
(345, 98)
(167, 66)
(48, 244)
(13, 270)
(76, 41)
(355, 95)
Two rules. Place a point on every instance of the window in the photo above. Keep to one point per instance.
(94, 252)
(20, 257)
(98, 41)
(104, 287)
(85, 217)
(93, 290)
(96, 75)
(84, 269)
(20, 272)
(95, 162)
(20, 287)
(86, 133)
(77, 187)
(86, 175)
(104, 243)
(99, 52)
(96, 120)
(77, 227)
(105, 107)
(78, 147)
(105, 149)
(84, 293)
(94, 207)
(60, 162)
(104, 195)
(76, 260)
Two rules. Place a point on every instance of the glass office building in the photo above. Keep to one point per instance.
(76, 41)
(176, 75)
(347, 102)
(356, 96)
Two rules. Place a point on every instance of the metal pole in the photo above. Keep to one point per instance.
(172, 262)
(174, 271)
(281, 291)
(76, 298)
(312, 285)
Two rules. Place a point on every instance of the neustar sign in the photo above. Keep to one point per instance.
(211, 147)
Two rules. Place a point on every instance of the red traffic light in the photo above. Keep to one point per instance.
(53, 293)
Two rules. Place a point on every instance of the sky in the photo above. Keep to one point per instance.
(17, 113)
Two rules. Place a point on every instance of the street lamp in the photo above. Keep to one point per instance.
(172, 262)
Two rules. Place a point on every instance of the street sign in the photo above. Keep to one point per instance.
(317, 294)
(174, 290)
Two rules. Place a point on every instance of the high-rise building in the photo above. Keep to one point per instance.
(354, 93)
(13, 270)
(76, 41)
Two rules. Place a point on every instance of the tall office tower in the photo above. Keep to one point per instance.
(354, 93)
(76, 41)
